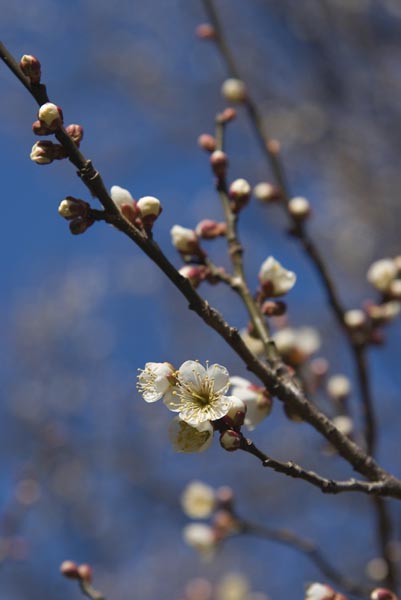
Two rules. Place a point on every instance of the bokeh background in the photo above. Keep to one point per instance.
(87, 470)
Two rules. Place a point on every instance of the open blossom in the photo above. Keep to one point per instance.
(257, 401)
(198, 500)
(199, 393)
(155, 381)
(381, 273)
(297, 344)
(275, 278)
(186, 438)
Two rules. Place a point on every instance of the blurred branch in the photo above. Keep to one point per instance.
(307, 547)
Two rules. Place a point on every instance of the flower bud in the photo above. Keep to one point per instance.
(355, 318)
(201, 537)
(194, 273)
(266, 192)
(382, 313)
(219, 163)
(344, 424)
(198, 500)
(69, 568)
(185, 240)
(382, 594)
(85, 573)
(39, 128)
(275, 279)
(381, 273)
(208, 229)
(70, 208)
(30, 66)
(395, 289)
(338, 387)
(299, 208)
(240, 193)
(80, 225)
(149, 209)
(124, 202)
(50, 115)
(230, 440)
(75, 132)
(234, 90)
(43, 153)
(319, 591)
(271, 308)
(237, 412)
(228, 114)
(207, 142)
(205, 31)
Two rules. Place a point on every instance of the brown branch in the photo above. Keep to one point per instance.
(277, 384)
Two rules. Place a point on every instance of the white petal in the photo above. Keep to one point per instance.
(191, 373)
(220, 377)
(185, 438)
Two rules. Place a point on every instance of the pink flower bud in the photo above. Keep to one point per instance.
(196, 274)
(208, 229)
(50, 115)
(207, 142)
(85, 573)
(230, 440)
(205, 31)
(219, 163)
(30, 66)
(70, 208)
(80, 225)
(39, 128)
(270, 308)
(69, 568)
(75, 132)
(228, 114)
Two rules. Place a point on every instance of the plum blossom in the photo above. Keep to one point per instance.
(198, 500)
(256, 399)
(200, 393)
(155, 381)
(274, 276)
(186, 438)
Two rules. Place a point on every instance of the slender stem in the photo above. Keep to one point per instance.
(307, 547)
(90, 591)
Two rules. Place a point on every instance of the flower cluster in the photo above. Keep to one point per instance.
(200, 397)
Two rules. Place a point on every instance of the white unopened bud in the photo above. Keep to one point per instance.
(234, 90)
(344, 424)
(354, 318)
(395, 289)
(30, 66)
(381, 273)
(50, 115)
(42, 153)
(149, 207)
(275, 279)
(194, 273)
(70, 208)
(237, 411)
(219, 162)
(230, 440)
(319, 591)
(338, 387)
(240, 187)
(120, 196)
(266, 192)
(184, 239)
(382, 594)
(299, 208)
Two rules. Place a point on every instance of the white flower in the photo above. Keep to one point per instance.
(233, 90)
(319, 591)
(233, 586)
(258, 403)
(120, 196)
(280, 280)
(185, 438)
(304, 340)
(201, 537)
(198, 500)
(184, 239)
(199, 394)
(381, 273)
(155, 381)
(338, 386)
